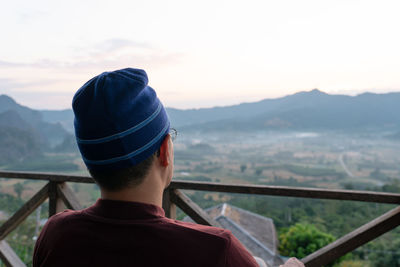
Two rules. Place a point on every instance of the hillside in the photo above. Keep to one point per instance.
(17, 145)
(29, 115)
(18, 116)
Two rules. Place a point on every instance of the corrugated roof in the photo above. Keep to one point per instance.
(257, 233)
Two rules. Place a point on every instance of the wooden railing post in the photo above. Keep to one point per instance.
(196, 213)
(168, 206)
(61, 197)
(55, 202)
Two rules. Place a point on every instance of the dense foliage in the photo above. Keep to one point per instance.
(301, 240)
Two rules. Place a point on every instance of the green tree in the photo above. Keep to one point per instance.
(301, 240)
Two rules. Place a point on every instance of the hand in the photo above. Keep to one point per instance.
(293, 262)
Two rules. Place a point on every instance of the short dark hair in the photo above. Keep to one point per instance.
(119, 179)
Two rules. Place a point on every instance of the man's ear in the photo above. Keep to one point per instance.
(164, 152)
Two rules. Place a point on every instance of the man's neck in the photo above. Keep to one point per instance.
(150, 191)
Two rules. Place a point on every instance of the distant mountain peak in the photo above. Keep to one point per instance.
(316, 91)
(5, 99)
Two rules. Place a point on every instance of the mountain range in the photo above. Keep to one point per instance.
(311, 110)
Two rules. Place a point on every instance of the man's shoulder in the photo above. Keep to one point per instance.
(64, 217)
(58, 223)
(198, 229)
(66, 214)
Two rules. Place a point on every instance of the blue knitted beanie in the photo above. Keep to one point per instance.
(119, 120)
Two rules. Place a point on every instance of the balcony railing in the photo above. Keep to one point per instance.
(61, 196)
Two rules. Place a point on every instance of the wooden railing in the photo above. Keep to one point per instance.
(61, 196)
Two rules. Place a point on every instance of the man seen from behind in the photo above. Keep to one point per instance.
(124, 136)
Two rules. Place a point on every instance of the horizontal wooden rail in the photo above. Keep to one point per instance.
(52, 177)
(304, 192)
(287, 191)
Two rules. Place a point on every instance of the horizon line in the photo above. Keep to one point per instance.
(356, 94)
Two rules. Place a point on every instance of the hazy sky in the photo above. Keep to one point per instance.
(199, 53)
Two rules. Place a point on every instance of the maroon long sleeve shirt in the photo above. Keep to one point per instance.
(117, 233)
